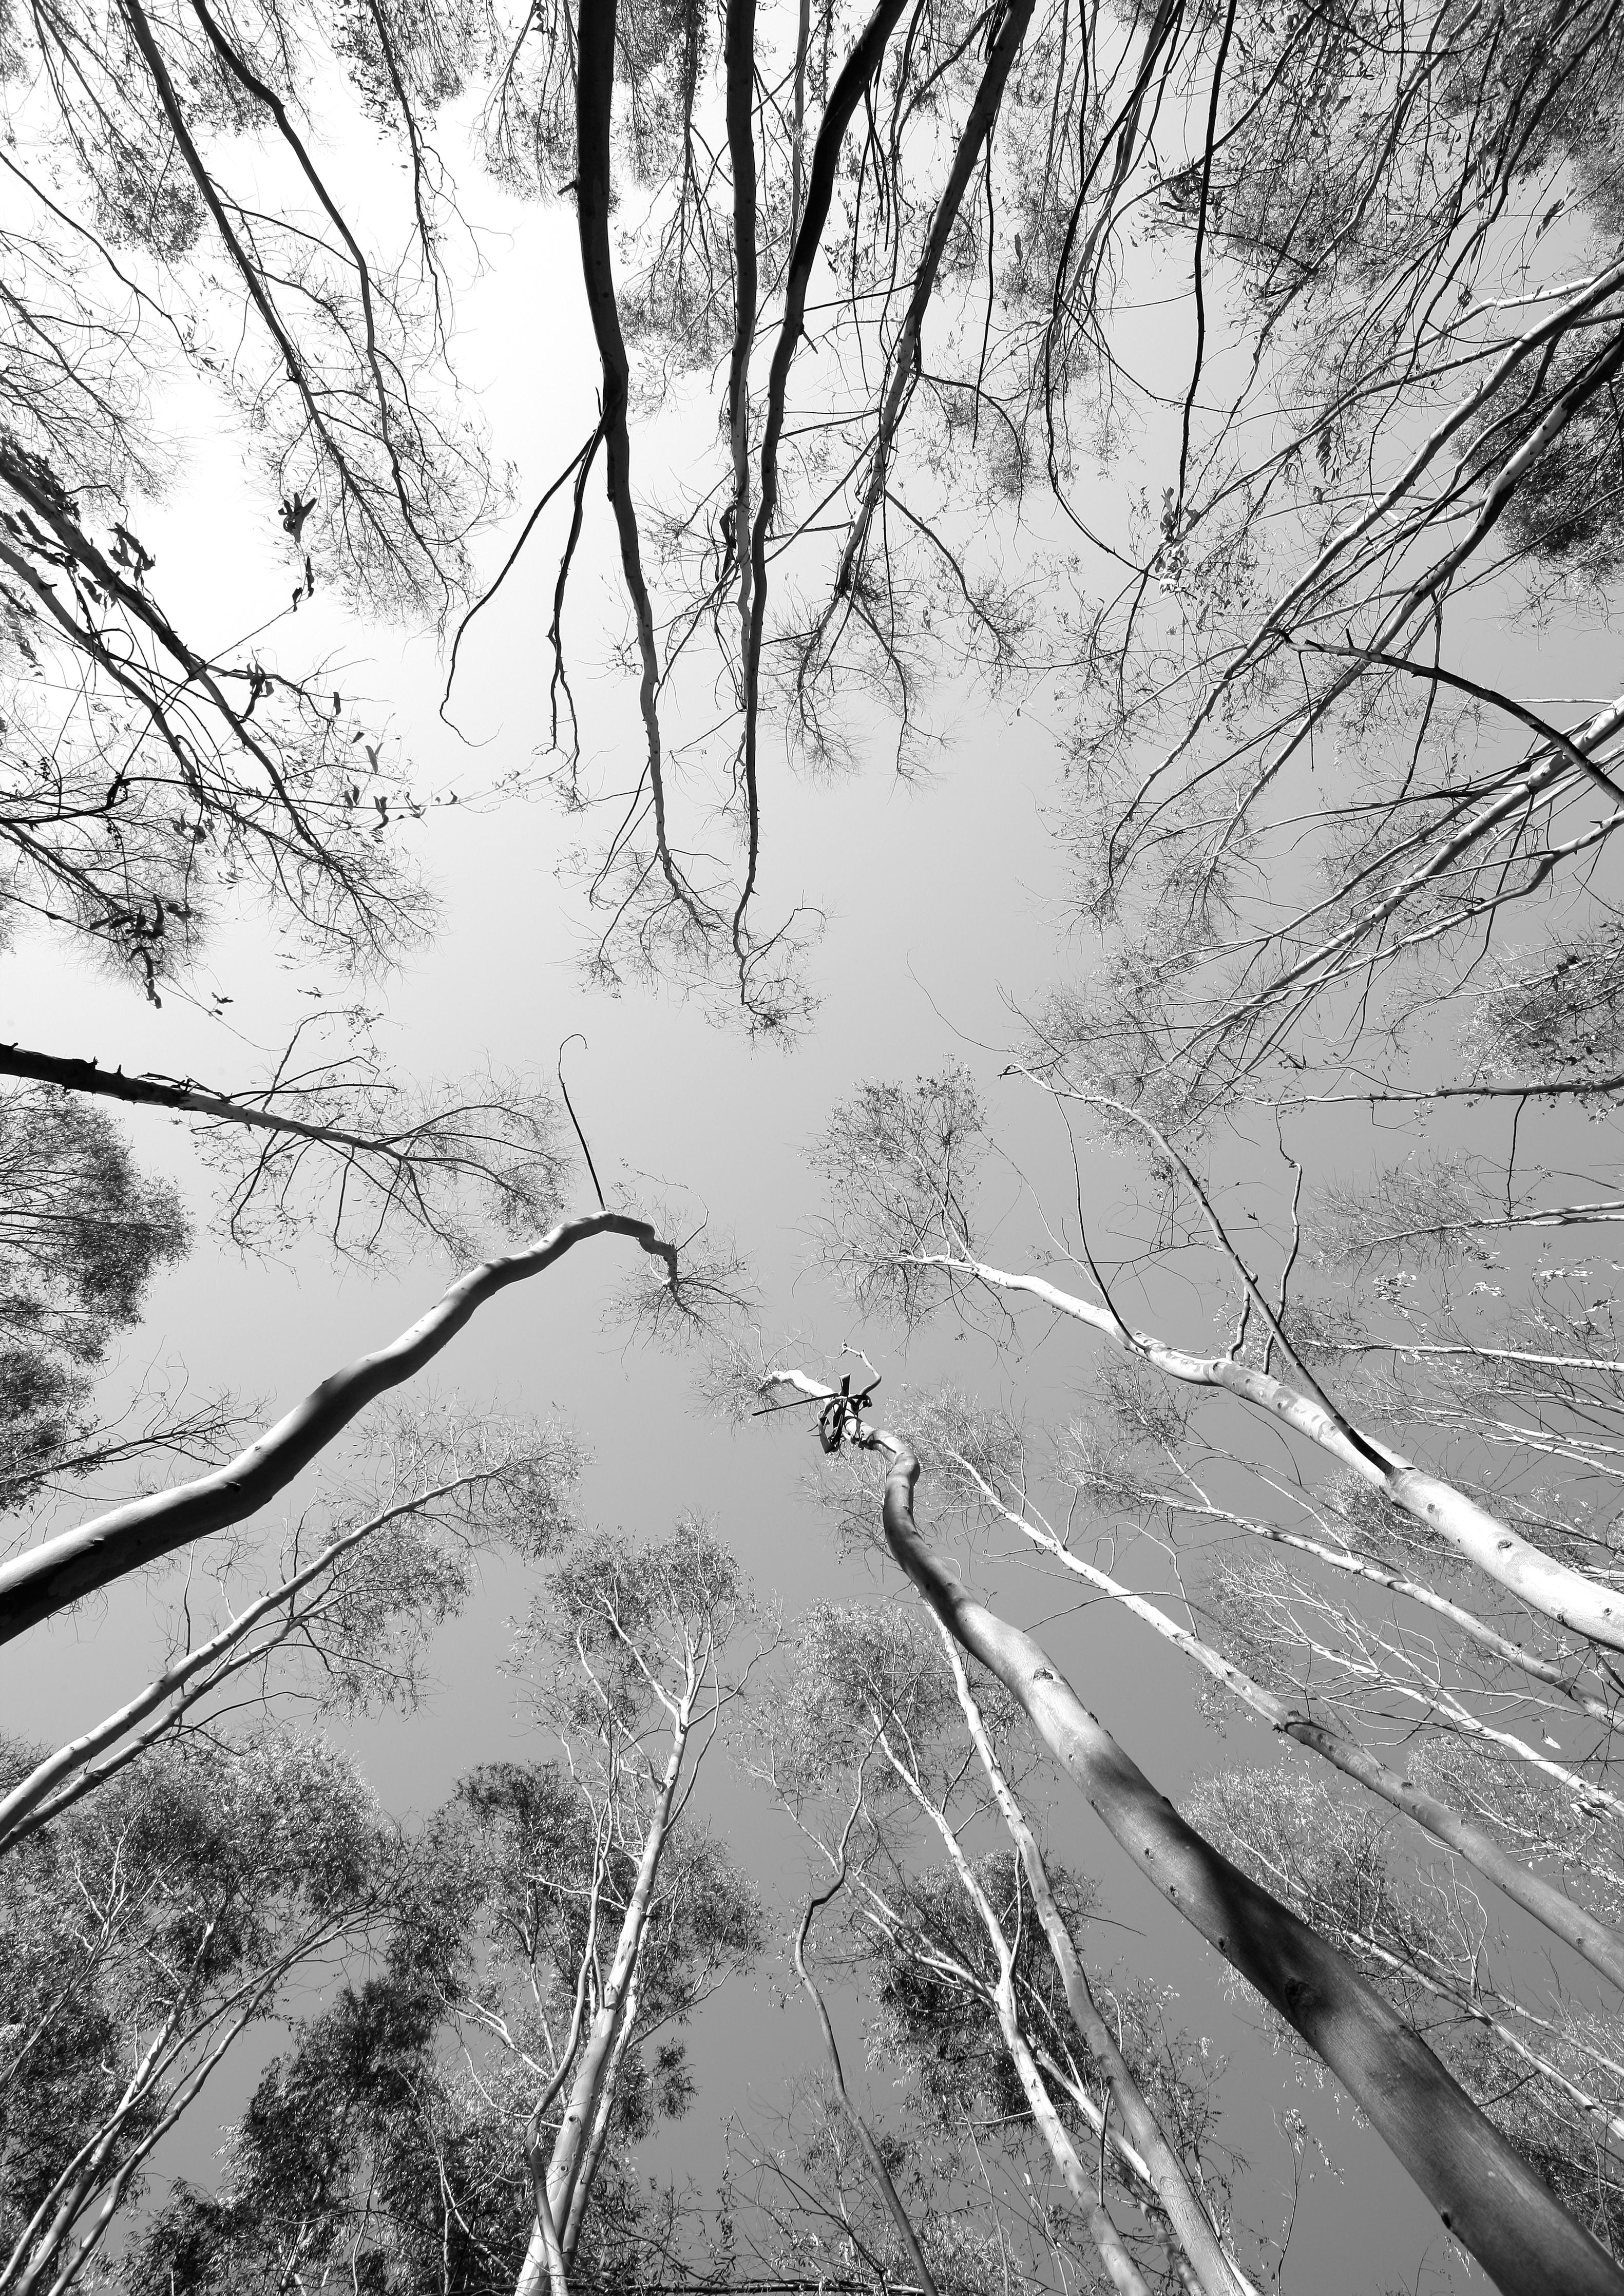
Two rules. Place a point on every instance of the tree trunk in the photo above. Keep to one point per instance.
(586, 2176)
(1215, 2274)
(589, 2087)
(1486, 2195)
(1123, 2272)
(1573, 1600)
(1602, 1947)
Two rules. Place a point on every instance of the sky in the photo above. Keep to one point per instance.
(947, 918)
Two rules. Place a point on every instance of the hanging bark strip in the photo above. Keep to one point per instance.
(904, 370)
(76, 1563)
(856, 77)
(594, 107)
(1486, 2195)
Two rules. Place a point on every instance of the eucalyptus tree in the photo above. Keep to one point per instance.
(1394, 242)
(1426, 1638)
(1394, 387)
(562, 1919)
(58, 1570)
(338, 1142)
(1383, 394)
(659, 1636)
(145, 1932)
(158, 780)
(969, 1961)
(377, 1560)
(172, 1882)
(82, 1231)
(1394, 423)
(1425, 1934)
(386, 2145)
(1500, 2210)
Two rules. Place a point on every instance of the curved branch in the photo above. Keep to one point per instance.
(60, 1570)
(1546, 1585)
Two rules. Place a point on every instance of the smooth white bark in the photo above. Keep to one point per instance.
(57, 1571)
(1217, 2274)
(1583, 1604)
(588, 2089)
(1500, 2211)
(1602, 1947)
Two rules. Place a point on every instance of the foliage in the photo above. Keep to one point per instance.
(82, 1233)
(1424, 1934)
(143, 1932)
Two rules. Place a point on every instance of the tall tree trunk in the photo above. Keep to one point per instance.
(1123, 2272)
(593, 2153)
(1485, 2192)
(594, 103)
(856, 77)
(741, 60)
(1486, 2195)
(1602, 1947)
(570, 2148)
(1216, 2275)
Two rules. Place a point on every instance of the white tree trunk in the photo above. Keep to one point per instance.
(1487, 2196)
(1216, 2273)
(1124, 2273)
(591, 2083)
(1602, 1947)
